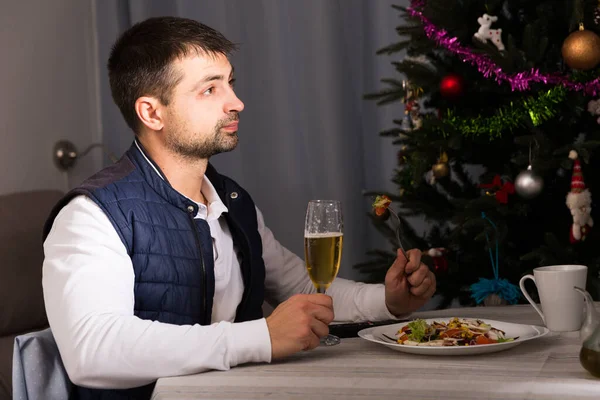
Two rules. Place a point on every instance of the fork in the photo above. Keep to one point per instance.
(398, 232)
(390, 338)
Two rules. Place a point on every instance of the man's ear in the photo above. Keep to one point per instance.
(150, 111)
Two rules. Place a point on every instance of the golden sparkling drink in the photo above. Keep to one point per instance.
(323, 254)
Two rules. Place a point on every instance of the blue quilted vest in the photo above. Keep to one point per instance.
(156, 223)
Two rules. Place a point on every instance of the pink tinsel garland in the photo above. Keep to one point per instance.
(488, 68)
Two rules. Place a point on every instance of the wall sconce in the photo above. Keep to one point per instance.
(65, 154)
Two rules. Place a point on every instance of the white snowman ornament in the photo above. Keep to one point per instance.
(594, 108)
(485, 33)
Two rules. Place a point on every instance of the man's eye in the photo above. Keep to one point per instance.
(208, 91)
(232, 82)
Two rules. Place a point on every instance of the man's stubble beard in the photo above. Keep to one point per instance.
(195, 146)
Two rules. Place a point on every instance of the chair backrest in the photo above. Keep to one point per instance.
(22, 218)
(38, 371)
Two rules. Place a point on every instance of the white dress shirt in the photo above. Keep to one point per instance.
(88, 282)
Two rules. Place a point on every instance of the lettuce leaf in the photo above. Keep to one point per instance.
(418, 330)
(502, 340)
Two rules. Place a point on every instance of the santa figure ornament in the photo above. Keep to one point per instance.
(579, 201)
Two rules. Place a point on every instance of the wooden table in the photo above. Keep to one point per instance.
(545, 368)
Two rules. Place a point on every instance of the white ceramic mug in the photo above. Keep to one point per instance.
(561, 305)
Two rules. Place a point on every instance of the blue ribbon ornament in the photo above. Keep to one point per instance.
(503, 288)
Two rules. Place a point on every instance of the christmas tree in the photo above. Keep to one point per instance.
(496, 145)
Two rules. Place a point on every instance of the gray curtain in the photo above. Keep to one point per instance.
(302, 69)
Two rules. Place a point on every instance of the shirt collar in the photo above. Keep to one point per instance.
(215, 208)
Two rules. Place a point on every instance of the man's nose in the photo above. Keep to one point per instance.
(234, 104)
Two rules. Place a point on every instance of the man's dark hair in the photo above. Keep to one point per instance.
(140, 60)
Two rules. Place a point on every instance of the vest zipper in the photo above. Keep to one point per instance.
(204, 289)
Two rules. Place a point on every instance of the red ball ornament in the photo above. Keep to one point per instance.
(440, 263)
(452, 86)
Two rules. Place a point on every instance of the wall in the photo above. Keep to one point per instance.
(47, 91)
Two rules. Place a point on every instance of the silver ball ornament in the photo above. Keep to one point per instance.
(528, 184)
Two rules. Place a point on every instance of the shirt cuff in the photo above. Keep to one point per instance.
(250, 342)
(375, 304)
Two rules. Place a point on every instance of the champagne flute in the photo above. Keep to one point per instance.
(323, 239)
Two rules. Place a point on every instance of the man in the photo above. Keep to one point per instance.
(158, 265)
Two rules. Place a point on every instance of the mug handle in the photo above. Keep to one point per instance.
(522, 286)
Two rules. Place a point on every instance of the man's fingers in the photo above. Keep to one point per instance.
(322, 313)
(397, 268)
(320, 299)
(319, 306)
(425, 289)
(417, 277)
(432, 288)
(414, 261)
(400, 255)
(313, 342)
(419, 291)
(319, 328)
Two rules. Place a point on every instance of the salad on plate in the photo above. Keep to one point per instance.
(455, 332)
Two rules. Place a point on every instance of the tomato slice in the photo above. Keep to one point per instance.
(482, 339)
(451, 333)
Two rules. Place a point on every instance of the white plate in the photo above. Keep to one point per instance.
(523, 332)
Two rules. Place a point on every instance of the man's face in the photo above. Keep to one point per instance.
(202, 118)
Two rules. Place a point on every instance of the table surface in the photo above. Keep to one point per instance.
(544, 368)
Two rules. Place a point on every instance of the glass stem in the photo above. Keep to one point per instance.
(329, 340)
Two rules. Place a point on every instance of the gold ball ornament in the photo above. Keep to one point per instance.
(441, 169)
(581, 49)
